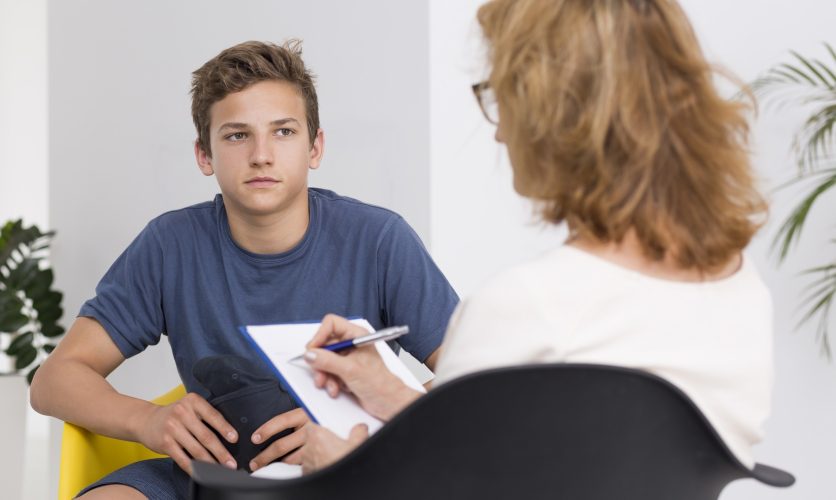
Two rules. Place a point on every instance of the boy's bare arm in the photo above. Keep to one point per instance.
(71, 385)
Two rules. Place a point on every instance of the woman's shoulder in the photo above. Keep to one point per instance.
(552, 275)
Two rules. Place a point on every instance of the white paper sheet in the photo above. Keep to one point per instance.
(280, 343)
(278, 470)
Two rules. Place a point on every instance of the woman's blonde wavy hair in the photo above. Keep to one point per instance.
(613, 123)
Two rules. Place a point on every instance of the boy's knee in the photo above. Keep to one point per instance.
(113, 492)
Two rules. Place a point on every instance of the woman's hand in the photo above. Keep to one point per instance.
(323, 447)
(360, 371)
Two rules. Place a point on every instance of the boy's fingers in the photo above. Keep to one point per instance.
(292, 419)
(213, 417)
(278, 449)
(294, 458)
(181, 459)
(197, 450)
(201, 441)
(358, 434)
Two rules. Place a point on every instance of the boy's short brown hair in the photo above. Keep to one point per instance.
(245, 64)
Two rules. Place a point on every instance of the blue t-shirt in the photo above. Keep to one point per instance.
(185, 277)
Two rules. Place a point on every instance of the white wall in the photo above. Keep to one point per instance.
(23, 112)
(478, 223)
(23, 178)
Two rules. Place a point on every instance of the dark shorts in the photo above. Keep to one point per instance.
(157, 479)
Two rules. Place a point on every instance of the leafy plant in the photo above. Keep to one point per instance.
(810, 83)
(29, 307)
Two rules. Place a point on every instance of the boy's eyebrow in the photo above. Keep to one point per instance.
(275, 123)
(284, 121)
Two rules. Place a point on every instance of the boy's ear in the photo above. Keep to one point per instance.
(204, 161)
(317, 149)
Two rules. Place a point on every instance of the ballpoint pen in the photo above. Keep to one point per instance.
(390, 333)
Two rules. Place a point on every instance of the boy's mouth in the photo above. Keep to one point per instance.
(261, 182)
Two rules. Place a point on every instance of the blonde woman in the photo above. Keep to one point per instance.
(614, 127)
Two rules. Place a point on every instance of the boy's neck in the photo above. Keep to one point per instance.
(272, 233)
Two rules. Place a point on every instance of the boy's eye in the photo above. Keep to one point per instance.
(284, 132)
(237, 136)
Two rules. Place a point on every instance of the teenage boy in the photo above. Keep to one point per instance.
(267, 250)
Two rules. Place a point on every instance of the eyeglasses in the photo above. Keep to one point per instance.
(487, 101)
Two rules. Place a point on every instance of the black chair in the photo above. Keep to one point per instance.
(561, 431)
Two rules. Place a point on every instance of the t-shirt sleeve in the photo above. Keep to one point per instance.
(128, 301)
(412, 289)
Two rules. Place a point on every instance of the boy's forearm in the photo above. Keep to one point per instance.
(74, 392)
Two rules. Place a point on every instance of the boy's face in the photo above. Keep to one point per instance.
(261, 152)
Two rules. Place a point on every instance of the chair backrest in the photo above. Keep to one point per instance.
(87, 457)
(583, 432)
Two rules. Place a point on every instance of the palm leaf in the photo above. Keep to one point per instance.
(815, 140)
(790, 230)
(810, 83)
(811, 68)
(821, 294)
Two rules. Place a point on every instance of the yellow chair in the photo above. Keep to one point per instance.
(87, 457)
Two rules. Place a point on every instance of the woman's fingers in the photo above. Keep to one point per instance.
(335, 328)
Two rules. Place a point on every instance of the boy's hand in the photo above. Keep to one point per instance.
(294, 419)
(181, 431)
(323, 447)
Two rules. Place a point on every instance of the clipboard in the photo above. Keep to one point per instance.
(278, 343)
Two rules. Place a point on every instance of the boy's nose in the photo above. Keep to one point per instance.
(261, 154)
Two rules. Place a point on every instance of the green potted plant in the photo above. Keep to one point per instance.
(810, 83)
(29, 307)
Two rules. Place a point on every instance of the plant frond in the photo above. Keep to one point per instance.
(820, 295)
(813, 72)
(814, 293)
(822, 329)
(820, 269)
(830, 49)
(805, 177)
(827, 70)
(790, 230)
(816, 138)
(822, 332)
(800, 73)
